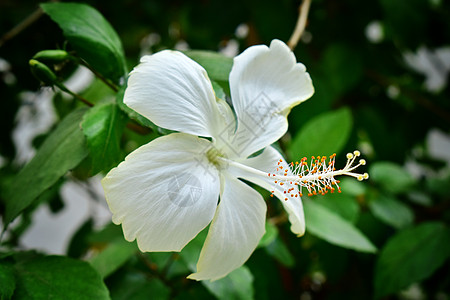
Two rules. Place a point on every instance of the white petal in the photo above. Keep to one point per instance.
(164, 193)
(174, 92)
(235, 231)
(267, 162)
(265, 84)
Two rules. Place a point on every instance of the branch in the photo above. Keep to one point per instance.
(33, 17)
(301, 24)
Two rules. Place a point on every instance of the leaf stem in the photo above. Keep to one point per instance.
(65, 89)
(301, 24)
(100, 76)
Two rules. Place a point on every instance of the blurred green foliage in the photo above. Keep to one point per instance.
(374, 240)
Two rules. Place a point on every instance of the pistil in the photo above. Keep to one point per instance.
(317, 177)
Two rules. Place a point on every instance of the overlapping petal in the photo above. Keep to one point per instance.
(267, 162)
(164, 193)
(265, 84)
(167, 191)
(174, 92)
(235, 231)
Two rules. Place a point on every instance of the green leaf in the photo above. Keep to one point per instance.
(8, 282)
(91, 36)
(392, 177)
(134, 285)
(218, 90)
(103, 126)
(278, 249)
(78, 245)
(410, 256)
(216, 65)
(342, 204)
(391, 211)
(113, 257)
(63, 150)
(270, 235)
(327, 225)
(275, 246)
(58, 277)
(352, 187)
(323, 135)
(237, 285)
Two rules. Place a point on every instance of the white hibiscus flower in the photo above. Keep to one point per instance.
(169, 190)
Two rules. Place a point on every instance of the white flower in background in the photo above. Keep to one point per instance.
(169, 190)
(433, 64)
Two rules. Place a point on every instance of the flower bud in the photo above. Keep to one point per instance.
(42, 72)
(53, 56)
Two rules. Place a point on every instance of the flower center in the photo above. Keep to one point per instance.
(317, 177)
(215, 156)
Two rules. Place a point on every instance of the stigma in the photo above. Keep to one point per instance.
(316, 176)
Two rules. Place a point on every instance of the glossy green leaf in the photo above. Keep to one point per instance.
(391, 211)
(327, 225)
(113, 257)
(392, 177)
(342, 204)
(91, 36)
(411, 256)
(63, 150)
(237, 285)
(352, 187)
(103, 125)
(58, 277)
(323, 135)
(7, 280)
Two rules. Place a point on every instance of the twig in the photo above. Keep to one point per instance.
(282, 218)
(301, 24)
(33, 17)
(138, 128)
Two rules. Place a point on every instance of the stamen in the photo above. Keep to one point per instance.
(319, 176)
